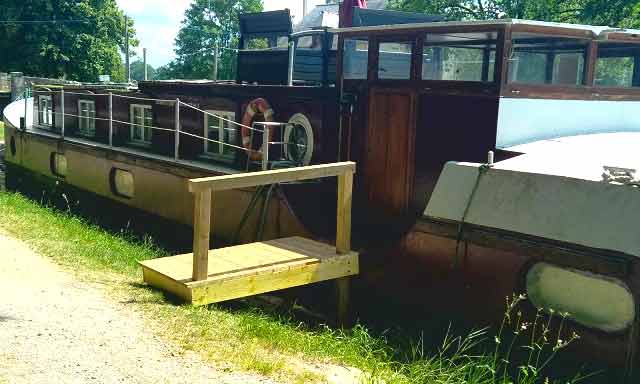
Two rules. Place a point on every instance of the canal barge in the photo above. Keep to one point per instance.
(480, 150)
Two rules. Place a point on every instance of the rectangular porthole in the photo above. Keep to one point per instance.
(122, 183)
(58, 163)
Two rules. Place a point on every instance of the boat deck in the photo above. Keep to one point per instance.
(250, 269)
(209, 276)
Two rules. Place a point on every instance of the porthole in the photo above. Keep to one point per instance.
(592, 300)
(122, 183)
(12, 145)
(298, 137)
(58, 163)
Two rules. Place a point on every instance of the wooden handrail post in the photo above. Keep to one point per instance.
(343, 225)
(201, 230)
(343, 243)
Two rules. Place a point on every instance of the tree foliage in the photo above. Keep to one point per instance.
(74, 39)
(622, 13)
(206, 23)
(137, 71)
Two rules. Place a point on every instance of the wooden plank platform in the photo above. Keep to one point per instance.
(250, 269)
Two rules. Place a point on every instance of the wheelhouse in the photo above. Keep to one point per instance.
(419, 95)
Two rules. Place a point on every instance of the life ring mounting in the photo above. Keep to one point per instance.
(256, 106)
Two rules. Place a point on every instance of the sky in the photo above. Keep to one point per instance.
(157, 23)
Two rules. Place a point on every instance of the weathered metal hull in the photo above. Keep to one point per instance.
(160, 186)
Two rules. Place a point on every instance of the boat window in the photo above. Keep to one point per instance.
(122, 183)
(312, 42)
(356, 58)
(266, 43)
(459, 57)
(618, 65)
(87, 118)
(537, 59)
(141, 120)
(221, 131)
(394, 60)
(45, 110)
(595, 301)
(58, 164)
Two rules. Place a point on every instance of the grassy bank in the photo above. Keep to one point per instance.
(251, 338)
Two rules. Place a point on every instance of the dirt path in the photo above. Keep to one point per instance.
(54, 329)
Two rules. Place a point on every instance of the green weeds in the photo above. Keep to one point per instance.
(245, 336)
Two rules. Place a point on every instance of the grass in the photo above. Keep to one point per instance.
(1, 131)
(248, 337)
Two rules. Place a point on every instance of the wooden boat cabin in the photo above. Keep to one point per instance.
(416, 105)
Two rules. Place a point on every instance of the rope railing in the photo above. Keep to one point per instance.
(264, 150)
(222, 118)
(151, 99)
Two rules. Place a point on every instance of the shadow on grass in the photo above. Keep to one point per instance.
(401, 329)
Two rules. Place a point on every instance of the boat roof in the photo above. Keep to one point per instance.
(589, 31)
(579, 157)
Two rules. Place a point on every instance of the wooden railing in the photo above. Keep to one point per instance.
(202, 188)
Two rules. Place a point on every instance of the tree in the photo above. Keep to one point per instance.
(206, 23)
(137, 71)
(594, 12)
(72, 39)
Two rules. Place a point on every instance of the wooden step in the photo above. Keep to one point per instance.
(250, 269)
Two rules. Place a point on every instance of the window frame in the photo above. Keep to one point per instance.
(492, 77)
(90, 121)
(635, 75)
(344, 60)
(49, 123)
(143, 108)
(409, 40)
(229, 115)
(550, 68)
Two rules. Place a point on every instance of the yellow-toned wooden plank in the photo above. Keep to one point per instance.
(201, 231)
(250, 179)
(165, 283)
(258, 253)
(305, 246)
(343, 225)
(211, 291)
(342, 293)
(262, 269)
(351, 259)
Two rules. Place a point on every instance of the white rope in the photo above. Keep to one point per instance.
(142, 98)
(82, 117)
(220, 142)
(221, 118)
(264, 123)
(164, 129)
(144, 126)
(85, 94)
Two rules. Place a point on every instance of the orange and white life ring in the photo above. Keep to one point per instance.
(261, 106)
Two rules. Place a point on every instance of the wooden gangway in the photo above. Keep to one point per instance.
(208, 276)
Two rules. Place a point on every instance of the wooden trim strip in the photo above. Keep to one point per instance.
(242, 180)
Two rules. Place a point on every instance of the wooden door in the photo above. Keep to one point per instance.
(389, 154)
